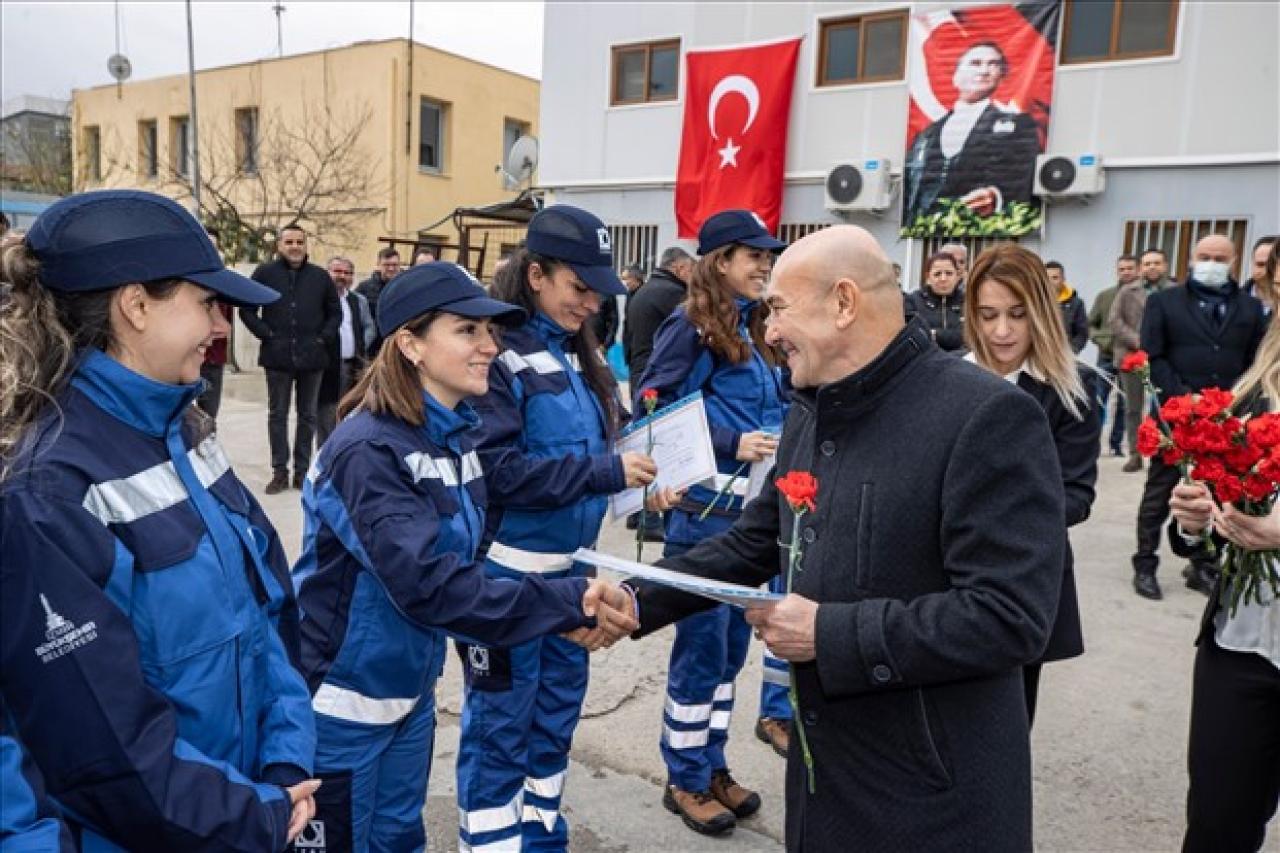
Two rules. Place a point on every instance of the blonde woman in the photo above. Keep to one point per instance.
(1013, 328)
(1233, 754)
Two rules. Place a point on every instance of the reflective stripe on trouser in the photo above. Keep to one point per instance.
(708, 653)
(389, 765)
(775, 678)
(514, 750)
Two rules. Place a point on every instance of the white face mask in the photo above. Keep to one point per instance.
(1210, 273)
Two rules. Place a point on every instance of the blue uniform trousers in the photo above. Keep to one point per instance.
(776, 677)
(517, 728)
(709, 651)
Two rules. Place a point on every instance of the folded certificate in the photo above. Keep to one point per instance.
(728, 593)
(681, 448)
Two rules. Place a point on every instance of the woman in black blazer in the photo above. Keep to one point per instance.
(1013, 328)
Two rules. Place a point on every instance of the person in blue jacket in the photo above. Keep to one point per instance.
(546, 426)
(714, 343)
(394, 511)
(148, 631)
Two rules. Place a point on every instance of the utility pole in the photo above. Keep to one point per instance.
(278, 8)
(193, 123)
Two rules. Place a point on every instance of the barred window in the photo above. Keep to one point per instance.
(634, 244)
(1177, 237)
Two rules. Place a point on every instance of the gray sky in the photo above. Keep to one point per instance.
(50, 48)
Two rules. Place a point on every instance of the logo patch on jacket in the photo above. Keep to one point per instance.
(61, 635)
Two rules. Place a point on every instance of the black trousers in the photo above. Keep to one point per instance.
(327, 410)
(211, 400)
(1234, 752)
(1031, 689)
(304, 385)
(1152, 513)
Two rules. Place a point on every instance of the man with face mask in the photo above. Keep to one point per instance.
(1201, 335)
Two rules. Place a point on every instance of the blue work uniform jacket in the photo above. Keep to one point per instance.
(548, 466)
(394, 516)
(145, 595)
(739, 398)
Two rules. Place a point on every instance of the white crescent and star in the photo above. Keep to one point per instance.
(745, 87)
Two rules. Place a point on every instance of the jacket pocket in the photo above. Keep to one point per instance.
(866, 573)
(926, 740)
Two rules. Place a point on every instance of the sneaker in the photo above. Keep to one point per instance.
(298, 479)
(775, 732)
(279, 482)
(700, 811)
(1134, 463)
(1144, 583)
(737, 799)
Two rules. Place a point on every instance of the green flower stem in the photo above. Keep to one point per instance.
(644, 509)
(727, 487)
(793, 566)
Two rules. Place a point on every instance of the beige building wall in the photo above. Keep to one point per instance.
(361, 81)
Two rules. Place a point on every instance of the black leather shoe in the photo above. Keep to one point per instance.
(1200, 579)
(279, 482)
(1144, 584)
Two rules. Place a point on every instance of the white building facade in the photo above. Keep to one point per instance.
(1178, 97)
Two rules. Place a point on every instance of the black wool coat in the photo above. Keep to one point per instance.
(1077, 443)
(935, 555)
(296, 329)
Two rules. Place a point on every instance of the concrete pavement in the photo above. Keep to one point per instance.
(1110, 738)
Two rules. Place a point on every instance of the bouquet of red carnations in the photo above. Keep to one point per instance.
(1238, 458)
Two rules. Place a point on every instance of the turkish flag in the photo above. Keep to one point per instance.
(733, 147)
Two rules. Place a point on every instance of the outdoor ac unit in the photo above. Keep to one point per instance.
(1061, 176)
(859, 185)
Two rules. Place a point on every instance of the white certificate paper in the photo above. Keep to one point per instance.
(728, 593)
(681, 448)
(759, 472)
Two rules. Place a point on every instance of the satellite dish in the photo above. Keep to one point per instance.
(522, 160)
(120, 67)
(1057, 173)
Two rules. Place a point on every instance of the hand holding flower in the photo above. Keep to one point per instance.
(788, 628)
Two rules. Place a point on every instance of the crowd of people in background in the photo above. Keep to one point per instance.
(463, 444)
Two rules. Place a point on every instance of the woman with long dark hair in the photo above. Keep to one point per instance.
(395, 509)
(546, 429)
(147, 624)
(714, 344)
(1014, 329)
(1233, 752)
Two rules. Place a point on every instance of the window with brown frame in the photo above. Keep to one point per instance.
(863, 49)
(1178, 237)
(644, 73)
(1107, 30)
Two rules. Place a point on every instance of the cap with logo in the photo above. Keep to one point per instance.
(108, 238)
(578, 238)
(736, 226)
(439, 286)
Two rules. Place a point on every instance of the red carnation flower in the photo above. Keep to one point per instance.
(1228, 490)
(1209, 469)
(1134, 361)
(1264, 431)
(1149, 438)
(800, 488)
(1177, 410)
(1212, 402)
(1258, 488)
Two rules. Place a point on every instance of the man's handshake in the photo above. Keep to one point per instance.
(615, 613)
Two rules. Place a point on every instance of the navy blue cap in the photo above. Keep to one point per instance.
(735, 226)
(578, 238)
(105, 239)
(439, 286)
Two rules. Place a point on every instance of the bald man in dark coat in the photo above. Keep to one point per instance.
(931, 569)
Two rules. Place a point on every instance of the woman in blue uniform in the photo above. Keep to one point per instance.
(394, 511)
(147, 623)
(1014, 328)
(714, 343)
(546, 427)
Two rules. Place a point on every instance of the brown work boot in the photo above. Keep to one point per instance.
(1134, 463)
(279, 482)
(734, 797)
(775, 732)
(700, 811)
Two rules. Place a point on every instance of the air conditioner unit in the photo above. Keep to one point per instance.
(1062, 176)
(859, 185)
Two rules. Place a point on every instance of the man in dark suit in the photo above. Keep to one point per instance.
(1201, 335)
(923, 589)
(979, 152)
(348, 350)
